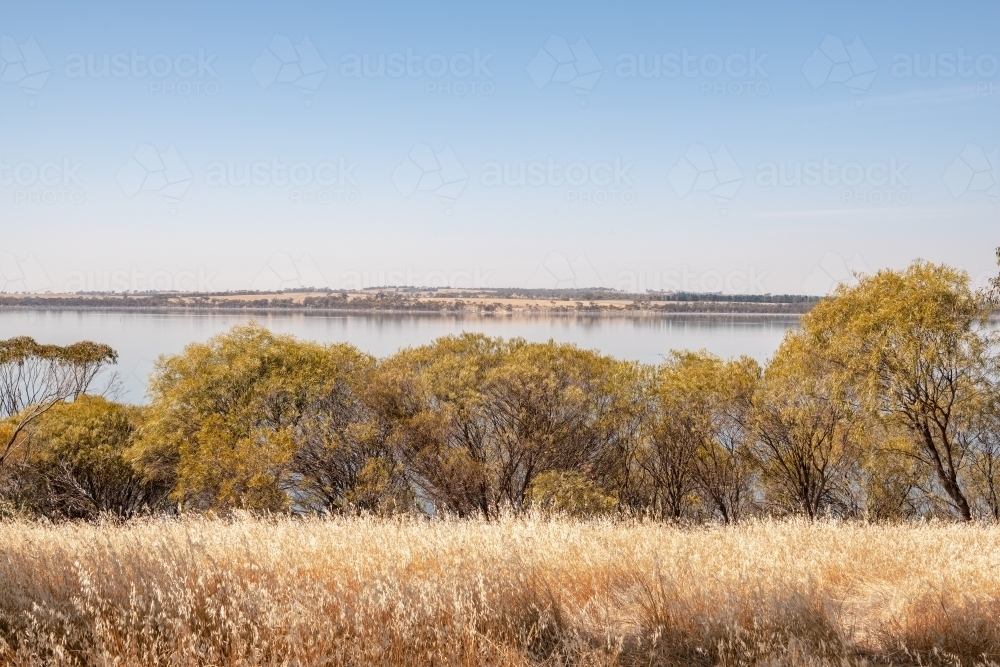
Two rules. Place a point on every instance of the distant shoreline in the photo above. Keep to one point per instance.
(470, 313)
(444, 302)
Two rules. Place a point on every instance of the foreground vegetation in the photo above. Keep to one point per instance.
(481, 501)
(405, 591)
(885, 406)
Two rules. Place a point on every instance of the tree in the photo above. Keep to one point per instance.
(695, 447)
(725, 466)
(890, 481)
(556, 407)
(34, 378)
(430, 399)
(76, 462)
(678, 423)
(981, 439)
(477, 419)
(342, 460)
(914, 346)
(259, 421)
(805, 434)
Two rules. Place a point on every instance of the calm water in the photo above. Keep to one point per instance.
(140, 338)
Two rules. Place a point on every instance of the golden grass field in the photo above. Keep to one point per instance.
(513, 592)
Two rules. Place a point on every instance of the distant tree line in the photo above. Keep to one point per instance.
(429, 300)
(597, 294)
(884, 406)
(732, 298)
(396, 302)
(386, 301)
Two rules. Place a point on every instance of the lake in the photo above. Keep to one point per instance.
(140, 337)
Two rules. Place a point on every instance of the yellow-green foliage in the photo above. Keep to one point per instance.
(223, 417)
(695, 448)
(76, 462)
(478, 419)
(569, 492)
(911, 347)
(86, 434)
(885, 405)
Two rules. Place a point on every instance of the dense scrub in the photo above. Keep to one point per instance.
(885, 406)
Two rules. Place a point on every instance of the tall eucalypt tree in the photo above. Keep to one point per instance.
(914, 348)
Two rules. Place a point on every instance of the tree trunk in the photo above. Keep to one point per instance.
(948, 478)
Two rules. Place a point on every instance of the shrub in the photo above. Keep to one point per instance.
(76, 463)
(569, 492)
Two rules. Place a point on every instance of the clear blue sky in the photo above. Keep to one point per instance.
(766, 147)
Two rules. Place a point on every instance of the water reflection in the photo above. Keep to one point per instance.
(141, 337)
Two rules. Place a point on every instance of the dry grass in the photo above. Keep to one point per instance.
(409, 592)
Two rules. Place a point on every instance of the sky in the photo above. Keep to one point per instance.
(713, 146)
